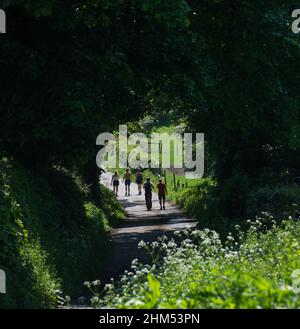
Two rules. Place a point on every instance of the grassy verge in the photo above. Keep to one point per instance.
(254, 270)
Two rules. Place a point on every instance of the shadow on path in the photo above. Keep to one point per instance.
(140, 225)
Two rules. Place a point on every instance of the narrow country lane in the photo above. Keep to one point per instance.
(140, 225)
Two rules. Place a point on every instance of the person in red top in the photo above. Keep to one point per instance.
(162, 192)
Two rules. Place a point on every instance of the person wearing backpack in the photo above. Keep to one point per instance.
(148, 187)
(139, 180)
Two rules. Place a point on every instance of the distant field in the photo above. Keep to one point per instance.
(175, 178)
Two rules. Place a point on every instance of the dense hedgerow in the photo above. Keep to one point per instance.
(279, 200)
(222, 208)
(253, 270)
(52, 235)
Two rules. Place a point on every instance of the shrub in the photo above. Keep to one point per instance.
(202, 202)
(199, 200)
(281, 201)
(233, 195)
(222, 207)
(111, 207)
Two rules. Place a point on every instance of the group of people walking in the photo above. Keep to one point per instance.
(148, 187)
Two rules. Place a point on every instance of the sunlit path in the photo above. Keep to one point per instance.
(140, 225)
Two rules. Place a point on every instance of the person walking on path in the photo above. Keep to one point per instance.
(139, 180)
(127, 179)
(162, 192)
(148, 187)
(115, 183)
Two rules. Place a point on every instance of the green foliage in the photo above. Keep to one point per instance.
(199, 201)
(244, 97)
(281, 201)
(221, 207)
(95, 214)
(31, 281)
(82, 67)
(232, 195)
(52, 236)
(111, 207)
(152, 293)
(77, 68)
(252, 271)
(41, 275)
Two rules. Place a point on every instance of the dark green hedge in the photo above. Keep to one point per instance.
(52, 235)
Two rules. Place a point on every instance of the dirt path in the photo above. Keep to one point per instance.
(140, 225)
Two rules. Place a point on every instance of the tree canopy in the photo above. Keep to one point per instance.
(72, 69)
